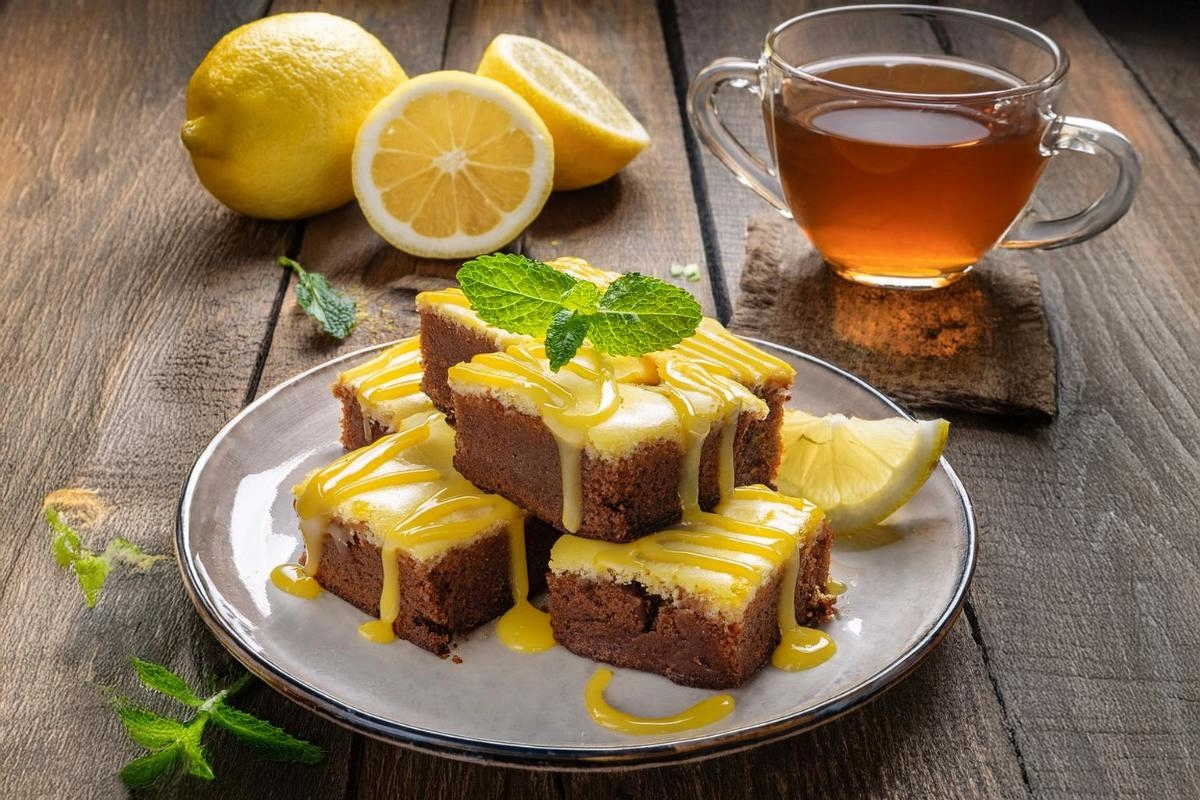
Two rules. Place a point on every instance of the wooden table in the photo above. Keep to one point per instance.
(142, 316)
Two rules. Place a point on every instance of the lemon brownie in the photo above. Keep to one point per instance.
(452, 333)
(593, 455)
(394, 530)
(703, 602)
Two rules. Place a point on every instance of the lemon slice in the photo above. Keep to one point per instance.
(451, 165)
(594, 134)
(859, 471)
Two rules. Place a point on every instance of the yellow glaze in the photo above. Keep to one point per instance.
(721, 352)
(402, 493)
(706, 712)
(388, 386)
(523, 627)
(721, 557)
(835, 587)
(292, 578)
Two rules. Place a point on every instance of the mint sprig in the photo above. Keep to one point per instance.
(336, 313)
(91, 568)
(635, 315)
(176, 745)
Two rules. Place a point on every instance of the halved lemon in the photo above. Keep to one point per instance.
(451, 165)
(594, 134)
(859, 471)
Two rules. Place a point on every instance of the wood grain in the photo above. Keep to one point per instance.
(140, 306)
(141, 313)
(1157, 42)
(1103, 697)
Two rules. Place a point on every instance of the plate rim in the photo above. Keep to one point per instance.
(574, 758)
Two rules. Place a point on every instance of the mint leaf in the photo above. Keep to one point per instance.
(141, 772)
(65, 543)
(583, 297)
(640, 315)
(271, 742)
(160, 679)
(149, 729)
(91, 570)
(565, 336)
(175, 743)
(122, 550)
(515, 292)
(635, 315)
(193, 753)
(336, 313)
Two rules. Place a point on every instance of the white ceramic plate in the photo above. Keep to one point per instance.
(906, 584)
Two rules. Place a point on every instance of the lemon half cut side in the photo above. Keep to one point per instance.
(858, 471)
(451, 165)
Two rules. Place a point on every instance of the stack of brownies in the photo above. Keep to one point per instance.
(636, 488)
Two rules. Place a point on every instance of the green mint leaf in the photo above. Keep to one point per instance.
(91, 570)
(270, 741)
(567, 331)
(65, 543)
(584, 297)
(640, 315)
(149, 729)
(515, 292)
(194, 759)
(141, 772)
(336, 313)
(121, 550)
(160, 679)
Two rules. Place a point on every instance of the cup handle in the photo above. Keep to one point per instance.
(706, 119)
(1094, 138)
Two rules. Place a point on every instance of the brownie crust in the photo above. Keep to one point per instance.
(465, 588)
(515, 455)
(445, 343)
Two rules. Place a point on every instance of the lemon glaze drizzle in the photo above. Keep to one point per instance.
(706, 712)
(292, 579)
(522, 628)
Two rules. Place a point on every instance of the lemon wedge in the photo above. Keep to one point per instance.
(451, 165)
(859, 471)
(594, 134)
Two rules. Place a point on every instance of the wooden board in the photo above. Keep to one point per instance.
(143, 316)
(1157, 43)
(141, 305)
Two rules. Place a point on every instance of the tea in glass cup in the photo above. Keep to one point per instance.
(903, 164)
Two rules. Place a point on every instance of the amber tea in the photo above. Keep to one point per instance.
(905, 191)
(905, 165)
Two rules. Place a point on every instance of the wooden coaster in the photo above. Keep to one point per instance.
(979, 345)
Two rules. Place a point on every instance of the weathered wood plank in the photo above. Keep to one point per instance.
(1157, 42)
(1094, 516)
(140, 305)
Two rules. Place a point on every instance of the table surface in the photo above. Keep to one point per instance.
(145, 316)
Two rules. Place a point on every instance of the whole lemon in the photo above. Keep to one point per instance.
(273, 110)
